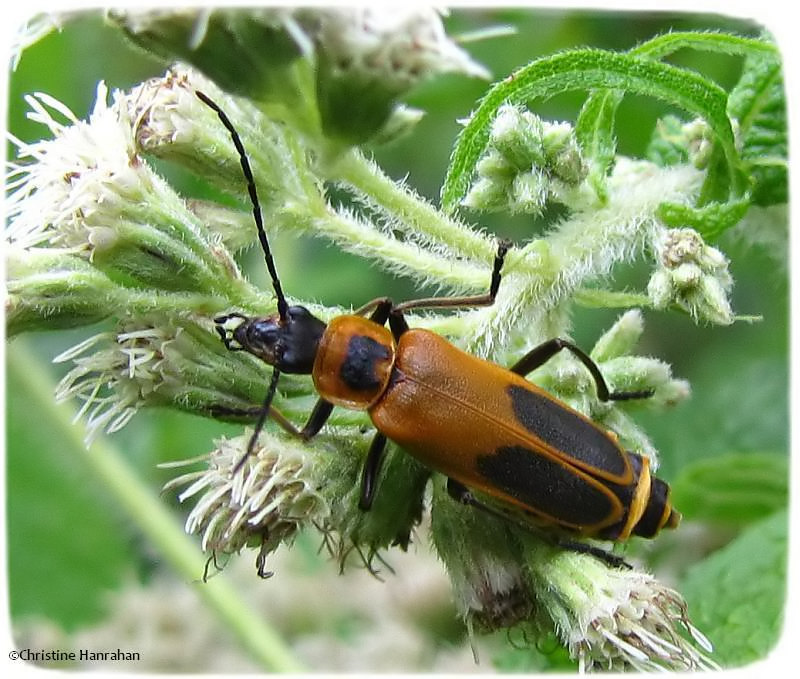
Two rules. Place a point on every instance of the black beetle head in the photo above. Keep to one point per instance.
(289, 344)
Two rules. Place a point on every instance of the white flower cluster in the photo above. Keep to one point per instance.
(402, 45)
(263, 504)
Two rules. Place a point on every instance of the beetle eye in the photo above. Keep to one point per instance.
(263, 333)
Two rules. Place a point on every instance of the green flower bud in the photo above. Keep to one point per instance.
(246, 52)
(173, 124)
(562, 153)
(495, 167)
(692, 275)
(517, 136)
(55, 289)
(529, 161)
(660, 289)
(529, 193)
(620, 338)
(676, 142)
(487, 195)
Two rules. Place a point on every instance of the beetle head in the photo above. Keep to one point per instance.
(290, 343)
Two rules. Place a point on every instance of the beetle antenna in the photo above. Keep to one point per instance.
(251, 189)
(262, 419)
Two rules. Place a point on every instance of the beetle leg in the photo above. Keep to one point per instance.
(319, 416)
(460, 493)
(544, 352)
(385, 309)
(372, 467)
(486, 299)
(261, 559)
(598, 552)
(381, 305)
(397, 323)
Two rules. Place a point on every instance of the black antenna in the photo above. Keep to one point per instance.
(276, 284)
(262, 420)
(251, 189)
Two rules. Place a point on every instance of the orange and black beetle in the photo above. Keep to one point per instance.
(486, 428)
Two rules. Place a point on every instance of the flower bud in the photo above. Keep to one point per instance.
(517, 136)
(529, 192)
(620, 338)
(692, 275)
(562, 153)
(529, 161)
(676, 142)
(51, 289)
(368, 57)
(248, 53)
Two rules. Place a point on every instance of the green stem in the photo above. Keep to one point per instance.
(598, 298)
(154, 521)
(362, 238)
(410, 209)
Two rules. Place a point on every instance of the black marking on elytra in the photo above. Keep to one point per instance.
(358, 368)
(545, 485)
(565, 431)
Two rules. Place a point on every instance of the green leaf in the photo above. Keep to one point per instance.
(724, 43)
(587, 69)
(595, 124)
(758, 102)
(710, 221)
(737, 488)
(736, 596)
(668, 144)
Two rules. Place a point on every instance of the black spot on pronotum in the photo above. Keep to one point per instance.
(358, 368)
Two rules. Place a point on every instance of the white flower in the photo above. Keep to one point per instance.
(78, 180)
(614, 619)
(262, 504)
(114, 375)
(404, 44)
(692, 275)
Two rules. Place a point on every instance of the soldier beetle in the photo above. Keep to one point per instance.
(485, 427)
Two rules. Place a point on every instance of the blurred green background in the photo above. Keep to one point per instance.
(69, 545)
